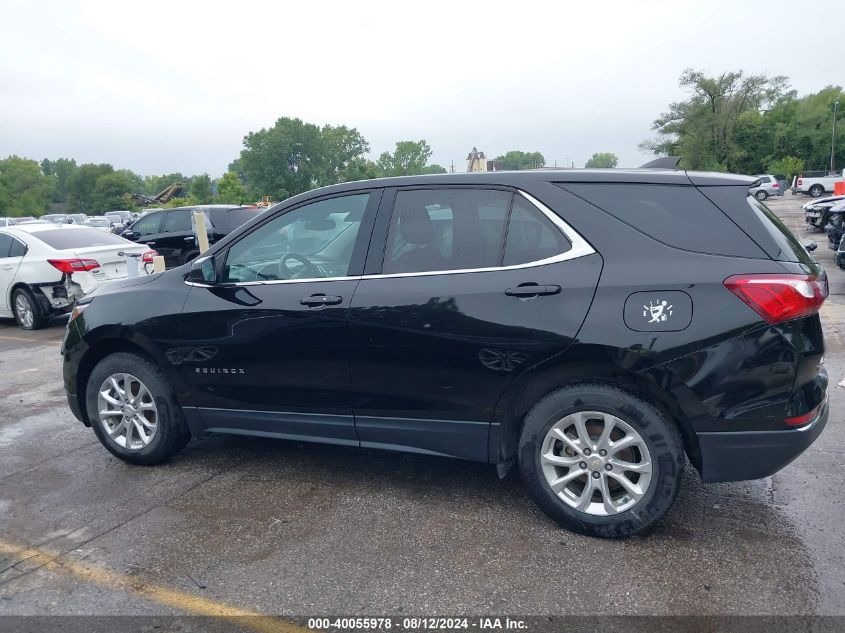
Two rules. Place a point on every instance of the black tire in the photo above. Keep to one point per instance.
(761, 195)
(172, 434)
(649, 421)
(38, 321)
(816, 191)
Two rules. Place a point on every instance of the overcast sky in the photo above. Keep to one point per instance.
(159, 87)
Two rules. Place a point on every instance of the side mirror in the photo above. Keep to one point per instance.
(810, 246)
(203, 271)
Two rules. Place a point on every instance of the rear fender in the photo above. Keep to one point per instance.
(589, 363)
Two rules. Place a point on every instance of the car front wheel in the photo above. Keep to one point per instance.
(601, 460)
(761, 195)
(133, 410)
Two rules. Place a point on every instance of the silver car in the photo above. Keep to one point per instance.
(768, 186)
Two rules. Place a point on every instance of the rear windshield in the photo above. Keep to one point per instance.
(791, 250)
(64, 239)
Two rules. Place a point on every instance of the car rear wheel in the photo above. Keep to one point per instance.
(816, 191)
(761, 195)
(600, 459)
(133, 410)
(28, 314)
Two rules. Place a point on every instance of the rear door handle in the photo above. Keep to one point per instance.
(524, 291)
(318, 300)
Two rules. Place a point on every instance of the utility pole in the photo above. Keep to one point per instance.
(833, 136)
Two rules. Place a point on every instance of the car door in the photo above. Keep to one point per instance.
(9, 264)
(466, 289)
(264, 350)
(176, 237)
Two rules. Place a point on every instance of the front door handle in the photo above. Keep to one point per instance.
(525, 291)
(319, 300)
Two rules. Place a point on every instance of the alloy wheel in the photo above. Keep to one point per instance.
(596, 463)
(24, 310)
(127, 411)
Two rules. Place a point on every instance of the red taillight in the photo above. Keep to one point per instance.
(800, 181)
(779, 298)
(800, 420)
(775, 185)
(147, 257)
(69, 266)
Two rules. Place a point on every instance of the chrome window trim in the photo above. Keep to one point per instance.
(580, 248)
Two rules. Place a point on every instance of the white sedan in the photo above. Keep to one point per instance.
(46, 268)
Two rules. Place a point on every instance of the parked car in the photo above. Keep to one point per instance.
(98, 222)
(119, 218)
(817, 183)
(767, 186)
(27, 219)
(835, 225)
(566, 322)
(46, 268)
(57, 218)
(171, 231)
(817, 212)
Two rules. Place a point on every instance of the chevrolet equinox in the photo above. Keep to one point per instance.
(590, 327)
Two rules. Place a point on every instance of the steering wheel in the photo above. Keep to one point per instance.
(307, 266)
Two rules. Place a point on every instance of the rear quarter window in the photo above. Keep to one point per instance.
(676, 215)
(66, 239)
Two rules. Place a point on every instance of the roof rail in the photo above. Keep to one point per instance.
(664, 162)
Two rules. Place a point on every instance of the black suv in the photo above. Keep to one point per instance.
(171, 232)
(591, 327)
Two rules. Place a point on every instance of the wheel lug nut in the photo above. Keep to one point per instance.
(595, 475)
(608, 467)
(587, 451)
(583, 465)
(602, 452)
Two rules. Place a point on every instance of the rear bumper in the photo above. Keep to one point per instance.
(741, 455)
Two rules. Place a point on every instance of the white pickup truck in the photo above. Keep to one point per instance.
(816, 183)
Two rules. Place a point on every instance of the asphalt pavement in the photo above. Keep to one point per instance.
(236, 525)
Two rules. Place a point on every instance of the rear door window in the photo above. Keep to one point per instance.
(676, 215)
(18, 249)
(446, 229)
(5, 245)
(531, 235)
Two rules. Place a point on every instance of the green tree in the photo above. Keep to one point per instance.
(788, 166)
(294, 156)
(230, 189)
(62, 169)
(201, 188)
(108, 192)
(80, 186)
(24, 188)
(701, 129)
(516, 159)
(602, 160)
(410, 158)
(342, 150)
